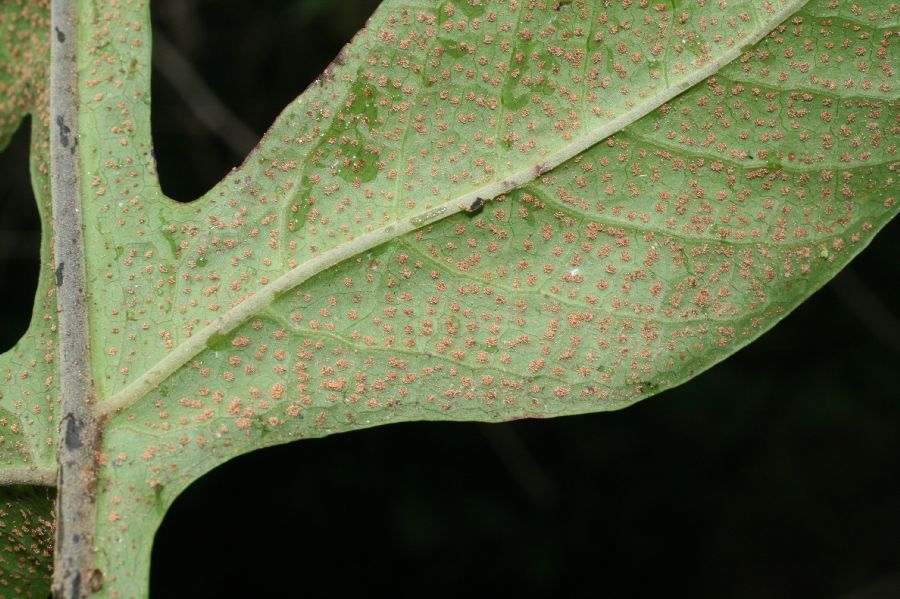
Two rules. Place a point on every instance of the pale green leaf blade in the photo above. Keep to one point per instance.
(23, 62)
(418, 117)
(28, 387)
(628, 268)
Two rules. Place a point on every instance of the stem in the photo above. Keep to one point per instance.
(78, 433)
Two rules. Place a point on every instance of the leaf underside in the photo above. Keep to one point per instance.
(26, 541)
(29, 389)
(601, 274)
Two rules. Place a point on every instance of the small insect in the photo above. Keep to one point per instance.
(59, 274)
(476, 205)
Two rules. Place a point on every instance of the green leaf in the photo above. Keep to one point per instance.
(26, 541)
(23, 54)
(28, 387)
(480, 211)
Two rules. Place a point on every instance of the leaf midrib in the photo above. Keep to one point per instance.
(227, 322)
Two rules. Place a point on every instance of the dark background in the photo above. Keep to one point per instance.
(775, 474)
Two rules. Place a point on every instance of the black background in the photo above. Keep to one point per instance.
(775, 474)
